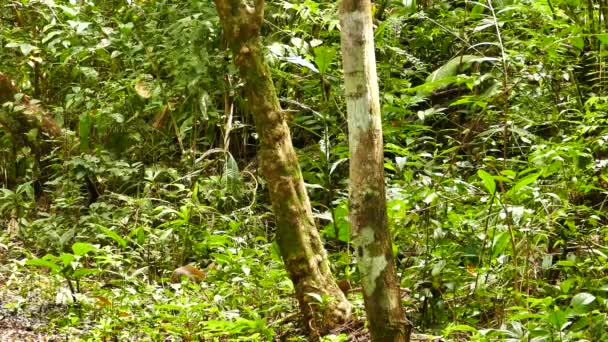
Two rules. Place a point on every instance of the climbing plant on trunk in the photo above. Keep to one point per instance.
(368, 216)
(299, 242)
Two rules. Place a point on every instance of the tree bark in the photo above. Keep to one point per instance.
(298, 239)
(369, 224)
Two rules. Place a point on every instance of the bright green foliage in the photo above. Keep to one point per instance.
(494, 117)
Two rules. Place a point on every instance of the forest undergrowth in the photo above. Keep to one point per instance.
(127, 151)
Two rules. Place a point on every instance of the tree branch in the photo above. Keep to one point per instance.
(259, 11)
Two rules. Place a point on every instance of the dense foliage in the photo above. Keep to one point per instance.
(494, 117)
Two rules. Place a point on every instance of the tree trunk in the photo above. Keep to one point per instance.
(298, 239)
(368, 217)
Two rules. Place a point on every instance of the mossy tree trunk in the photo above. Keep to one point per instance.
(368, 217)
(298, 239)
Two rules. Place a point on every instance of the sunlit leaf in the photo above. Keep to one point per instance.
(143, 89)
(82, 248)
(488, 181)
(459, 327)
(302, 62)
(453, 67)
(67, 259)
(44, 263)
(324, 56)
(603, 38)
(529, 179)
(316, 296)
(578, 42)
(501, 241)
(25, 48)
(581, 302)
(112, 234)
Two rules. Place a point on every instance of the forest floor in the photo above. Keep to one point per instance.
(20, 326)
(25, 319)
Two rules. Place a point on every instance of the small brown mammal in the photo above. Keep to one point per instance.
(190, 272)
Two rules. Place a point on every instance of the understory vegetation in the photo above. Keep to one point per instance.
(127, 151)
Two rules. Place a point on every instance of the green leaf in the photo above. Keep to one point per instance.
(567, 284)
(459, 327)
(165, 235)
(557, 318)
(67, 259)
(141, 235)
(410, 6)
(83, 272)
(453, 67)
(500, 243)
(547, 262)
(32, 134)
(344, 231)
(488, 181)
(79, 26)
(82, 248)
(438, 268)
(69, 11)
(25, 48)
(578, 42)
(603, 38)
(217, 241)
(529, 179)
(67, 236)
(84, 128)
(275, 251)
(580, 324)
(50, 35)
(112, 235)
(477, 11)
(581, 302)
(565, 263)
(88, 72)
(44, 263)
(323, 57)
(431, 197)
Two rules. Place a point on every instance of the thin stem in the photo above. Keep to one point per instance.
(485, 239)
(552, 10)
(513, 246)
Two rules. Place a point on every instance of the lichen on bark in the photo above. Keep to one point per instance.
(368, 217)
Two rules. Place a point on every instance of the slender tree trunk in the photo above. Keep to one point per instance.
(298, 239)
(368, 217)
